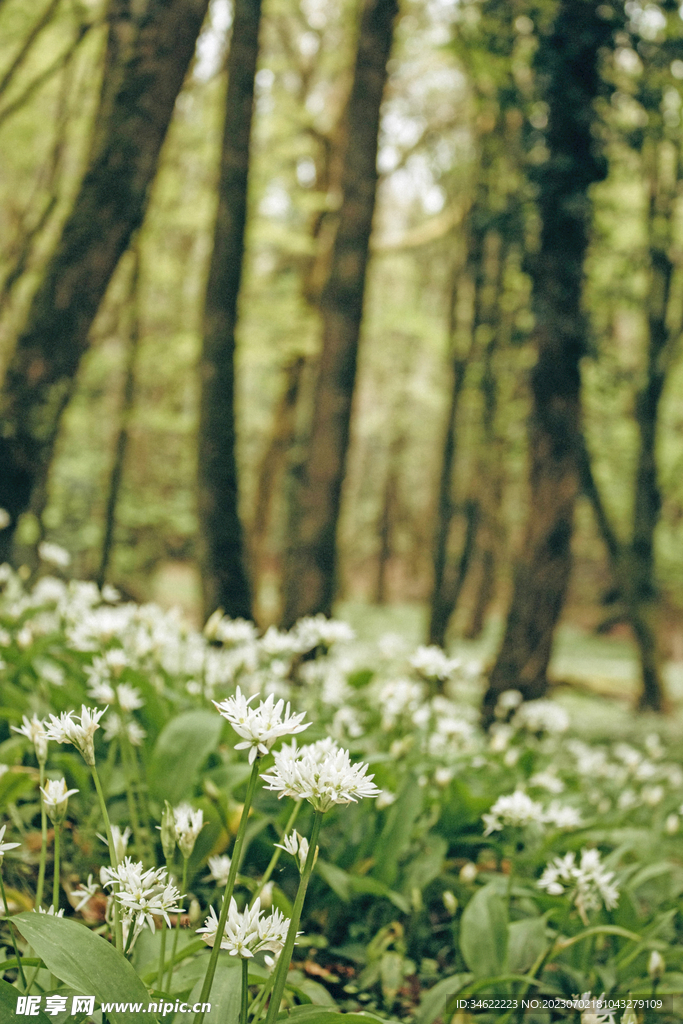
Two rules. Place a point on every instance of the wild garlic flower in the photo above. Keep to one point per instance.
(116, 727)
(322, 778)
(79, 731)
(4, 847)
(298, 847)
(50, 912)
(541, 716)
(119, 839)
(515, 809)
(591, 885)
(54, 554)
(188, 825)
(34, 730)
(260, 726)
(219, 869)
(129, 697)
(143, 894)
(84, 893)
(56, 797)
(562, 816)
(432, 663)
(248, 932)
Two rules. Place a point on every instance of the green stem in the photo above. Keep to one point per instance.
(176, 933)
(227, 894)
(244, 1007)
(257, 1005)
(162, 957)
(43, 842)
(55, 879)
(140, 788)
(130, 796)
(14, 938)
(118, 930)
(276, 854)
(286, 954)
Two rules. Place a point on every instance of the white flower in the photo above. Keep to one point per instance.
(115, 726)
(298, 846)
(219, 869)
(79, 731)
(562, 816)
(50, 911)
(54, 554)
(5, 519)
(4, 847)
(541, 716)
(143, 894)
(119, 839)
(592, 886)
(85, 892)
(34, 730)
(508, 701)
(260, 726)
(249, 932)
(432, 663)
(322, 778)
(129, 697)
(516, 809)
(188, 825)
(56, 797)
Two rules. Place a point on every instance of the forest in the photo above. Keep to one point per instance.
(341, 371)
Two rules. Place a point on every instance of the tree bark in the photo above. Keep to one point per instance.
(225, 583)
(568, 59)
(310, 566)
(127, 403)
(148, 54)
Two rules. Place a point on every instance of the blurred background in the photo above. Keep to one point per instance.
(387, 469)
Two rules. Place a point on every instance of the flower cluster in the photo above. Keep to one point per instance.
(56, 797)
(260, 726)
(143, 895)
(248, 932)
(79, 731)
(518, 810)
(321, 776)
(591, 885)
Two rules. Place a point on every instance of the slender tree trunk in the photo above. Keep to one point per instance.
(127, 403)
(221, 551)
(310, 566)
(148, 54)
(568, 57)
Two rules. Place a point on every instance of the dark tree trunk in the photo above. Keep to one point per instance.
(310, 566)
(225, 583)
(127, 403)
(272, 470)
(568, 59)
(147, 57)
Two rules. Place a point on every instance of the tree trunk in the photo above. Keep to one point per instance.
(273, 466)
(310, 566)
(127, 402)
(221, 551)
(147, 57)
(568, 58)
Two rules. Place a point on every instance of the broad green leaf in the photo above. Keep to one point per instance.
(427, 865)
(180, 751)
(320, 1015)
(14, 784)
(85, 962)
(484, 933)
(526, 942)
(338, 880)
(435, 999)
(225, 995)
(8, 1005)
(391, 974)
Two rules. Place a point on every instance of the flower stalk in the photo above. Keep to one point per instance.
(118, 929)
(11, 931)
(277, 853)
(176, 931)
(286, 955)
(244, 1003)
(227, 894)
(43, 841)
(55, 879)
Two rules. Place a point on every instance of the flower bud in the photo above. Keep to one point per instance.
(195, 912)
(56, 797)
(450, 901)
(168, 832)
(656, 966)
(468, 872)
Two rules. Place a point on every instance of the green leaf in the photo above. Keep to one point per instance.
(435, 999)
(8, 1005)
(320, 1015)
(85, 962)
(391, 974)
(526, 942)
(338, 880)
(396, 835)
(225, 995)
(180, 751)
(484, 933)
